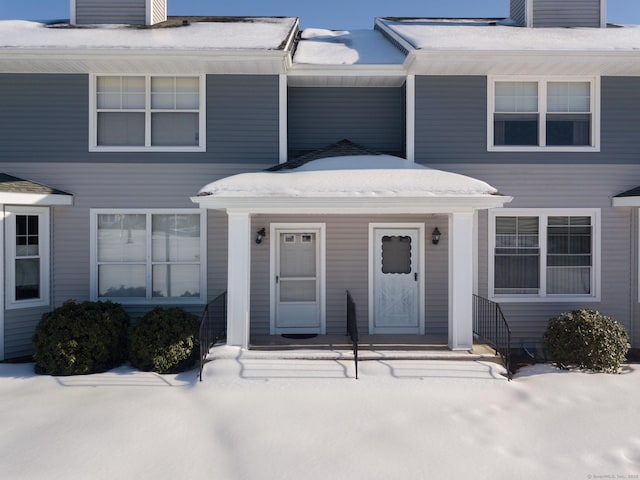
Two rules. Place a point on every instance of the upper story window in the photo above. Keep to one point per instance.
(550, 115)
(140, 113)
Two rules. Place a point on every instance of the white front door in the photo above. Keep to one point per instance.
(397, 279)
(298, 281)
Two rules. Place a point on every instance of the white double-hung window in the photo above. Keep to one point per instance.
(139, 113)
(550, 254)
(27, 256)
(148, 256)
(552, 115)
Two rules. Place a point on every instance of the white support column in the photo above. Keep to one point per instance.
(410, 93)
(238, 279)
(283, 114)
(2, 280)
(461, 281)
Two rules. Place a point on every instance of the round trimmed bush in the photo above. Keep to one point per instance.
(165, 341)
(81, 338)
(586, 339)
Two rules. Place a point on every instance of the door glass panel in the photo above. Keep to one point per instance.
(298, 290)
(396, 254)
(297, 254)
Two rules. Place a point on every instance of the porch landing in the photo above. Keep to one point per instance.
(371, 347)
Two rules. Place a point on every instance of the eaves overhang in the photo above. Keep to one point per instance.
(304, 75)
(630, 198)
(523, 62)
(144, 61)
(350, 205)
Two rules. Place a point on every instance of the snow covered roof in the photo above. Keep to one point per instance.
(182, 45)
(495, 47)
(346, 47)
(493, 35)
(344, 182)
(223, 33)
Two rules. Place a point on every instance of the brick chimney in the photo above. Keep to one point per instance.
(130, 12)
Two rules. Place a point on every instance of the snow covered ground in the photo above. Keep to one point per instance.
(300, 419)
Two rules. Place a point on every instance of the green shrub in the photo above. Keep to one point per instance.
(586, 339)
(165, 341)
(83, 338)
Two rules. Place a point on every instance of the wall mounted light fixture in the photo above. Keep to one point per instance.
(435, 236)
(260, 235)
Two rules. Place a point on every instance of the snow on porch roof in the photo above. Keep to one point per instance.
(344, 182)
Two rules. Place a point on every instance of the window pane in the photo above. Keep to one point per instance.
(175, 93)
(122, 238)
(120, 129)
(27, 278)
(187, 93)
(569, 129)
(163, 92)
(396, 254)
(515, 129)
(568, 280)
(568, 97)
(517, 255)
(176, 281)
(122, 281)
(569, 259)
(512, 97)
(27, 238)
(120, 92)
(175, 129)
(176, 238)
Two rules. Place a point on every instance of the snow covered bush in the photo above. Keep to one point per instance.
(165, 341)
(586, 339)
(81, 338)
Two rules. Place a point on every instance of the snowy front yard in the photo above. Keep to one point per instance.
(297, 419)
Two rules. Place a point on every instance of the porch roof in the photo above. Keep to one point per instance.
(18, 191)
(351, 184)
(630, 198)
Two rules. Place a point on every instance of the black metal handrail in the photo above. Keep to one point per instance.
(213, 326)
(352, 328)
(490, 325)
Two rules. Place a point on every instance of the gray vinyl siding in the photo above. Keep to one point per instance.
(243, 118)
(347, 268)
(19, 327)
(451, 124)
(119, 186)
(110, 11)
(517, 12)
(372, 117)
(566, 13)
(569, 186)
(45, 118)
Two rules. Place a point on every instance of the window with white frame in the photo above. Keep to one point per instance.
(27, 256)
(149, 256)
(535, 114)
(148, 113)
(552, 254)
